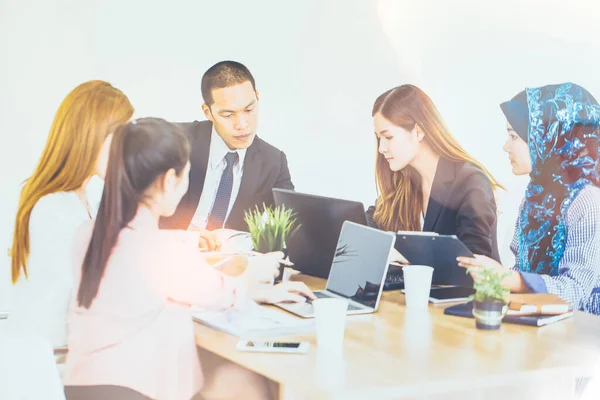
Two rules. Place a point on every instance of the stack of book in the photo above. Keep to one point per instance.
(525, 309)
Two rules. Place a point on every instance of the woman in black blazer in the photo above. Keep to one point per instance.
(425, 179)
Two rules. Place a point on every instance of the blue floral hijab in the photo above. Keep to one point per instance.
(563, 133)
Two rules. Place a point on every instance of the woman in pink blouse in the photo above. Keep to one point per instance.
(131, 333)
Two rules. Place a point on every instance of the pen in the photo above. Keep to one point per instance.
(286, 263)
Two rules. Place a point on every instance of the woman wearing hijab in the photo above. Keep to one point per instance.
(554, 136)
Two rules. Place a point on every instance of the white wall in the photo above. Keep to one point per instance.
(319, 66)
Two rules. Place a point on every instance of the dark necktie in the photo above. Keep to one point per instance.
(216, 218)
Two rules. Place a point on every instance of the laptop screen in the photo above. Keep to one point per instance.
(360, 263)
(319, 222)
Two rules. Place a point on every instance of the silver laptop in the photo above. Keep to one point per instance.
(358, 270)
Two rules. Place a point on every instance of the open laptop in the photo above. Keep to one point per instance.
(357, 272)
(312, 246)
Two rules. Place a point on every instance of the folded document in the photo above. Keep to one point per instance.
(254, 321)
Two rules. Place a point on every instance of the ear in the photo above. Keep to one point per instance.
(257, 95)
(419, 132)
(168, 180)
(207, 112)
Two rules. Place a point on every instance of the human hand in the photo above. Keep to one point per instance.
(265, 267)
(512, 279)
(285, 292)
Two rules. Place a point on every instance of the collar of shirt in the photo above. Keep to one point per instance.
(218, 150)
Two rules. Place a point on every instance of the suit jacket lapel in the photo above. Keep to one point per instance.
(198, 168)
(253, 166)
(440, 191)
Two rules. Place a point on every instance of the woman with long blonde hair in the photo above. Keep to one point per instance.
(54, 203)
(425, 179)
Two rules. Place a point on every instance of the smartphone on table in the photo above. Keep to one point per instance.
(257, 346)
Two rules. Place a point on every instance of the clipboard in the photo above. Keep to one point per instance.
(439, 252)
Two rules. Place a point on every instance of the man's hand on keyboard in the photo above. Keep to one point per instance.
(285, 292)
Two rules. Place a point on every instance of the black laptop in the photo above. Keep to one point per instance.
(311, 248)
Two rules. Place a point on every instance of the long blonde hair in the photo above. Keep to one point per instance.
(88, 114)
(400, 196)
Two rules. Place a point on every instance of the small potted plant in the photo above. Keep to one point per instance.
(270, 227)
(490, 301)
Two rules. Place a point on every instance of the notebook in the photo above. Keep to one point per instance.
(466, 310)
(537, 303)
(253, 321)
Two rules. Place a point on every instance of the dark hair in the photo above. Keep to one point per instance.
(140, 152)
(224, 74)
(516, 111)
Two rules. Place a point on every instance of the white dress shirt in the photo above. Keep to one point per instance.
(41, 301)
(214, 170)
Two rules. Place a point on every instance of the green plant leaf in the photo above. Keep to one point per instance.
(489, 287)
(270, 227)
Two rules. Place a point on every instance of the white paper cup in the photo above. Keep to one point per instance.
(417, 284)
(330, 321)
(330, 372)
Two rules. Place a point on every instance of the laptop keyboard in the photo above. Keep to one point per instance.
(324, 295)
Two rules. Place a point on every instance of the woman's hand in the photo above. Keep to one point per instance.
(265, 268)
(513, 281)
(286, 292)
(397, 259)
(232, 265)
(260, 269)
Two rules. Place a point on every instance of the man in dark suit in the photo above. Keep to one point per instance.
(232, 170)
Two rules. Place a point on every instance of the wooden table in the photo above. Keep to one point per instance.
(396, 353)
